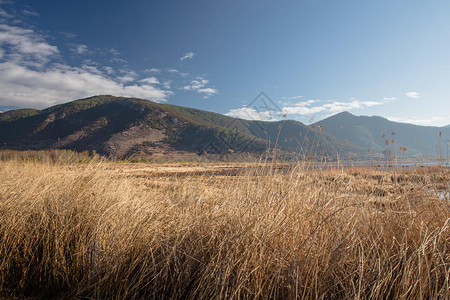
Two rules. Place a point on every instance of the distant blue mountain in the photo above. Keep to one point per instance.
(375, 133)
(6, 108)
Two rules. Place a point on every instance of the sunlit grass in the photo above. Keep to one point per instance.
(107, 230)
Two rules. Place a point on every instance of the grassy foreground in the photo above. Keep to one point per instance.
(106, 230)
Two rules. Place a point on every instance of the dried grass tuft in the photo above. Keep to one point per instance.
(93, 230)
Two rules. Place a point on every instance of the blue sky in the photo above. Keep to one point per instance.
(312, 58)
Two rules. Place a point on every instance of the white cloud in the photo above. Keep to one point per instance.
(156, 71)
(432, 121)
(114, 51)
(92, 69)
(301, 110)
(4, 14)
(68, 34)
(118, 60)
(196, 84)
(28, 88)
(199, 85)
(208, 91)
(303, 103)
(126, 79)
(188, 55)
(371, 103)
(413, 95)
(175, 71)
(30, 12)
(79, 49)
(337, 106)
(309, 107)
(27, 42)
(306, 108)
(291, 98)
(32, 75)
(129, 76)
(150, 80)
(109, 70)
(331, 106)
(249, 113)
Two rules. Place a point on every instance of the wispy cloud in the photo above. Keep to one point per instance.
(109, 70)
(79, 49)
(432, 121)
(328, 106)
(150, 80)
(196, 84)
(24, 87)
(68, 35)
(153, 70)
(114, 51)
(249, 113)
(128, 76)
(167, 84)
(30, 12)
(188, 55)
(208, 92)
(199, 85)
(4, 14)
(32, 74)
(413, 95)
(175, 71)
(18, 42)
(306, 108)
(291, 98)
(301, 103)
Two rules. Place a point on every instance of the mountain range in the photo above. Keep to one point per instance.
(378, 134)
(123, 127)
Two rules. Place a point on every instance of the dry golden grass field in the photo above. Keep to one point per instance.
(104, 230)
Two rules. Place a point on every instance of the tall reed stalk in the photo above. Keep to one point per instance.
(104, 230)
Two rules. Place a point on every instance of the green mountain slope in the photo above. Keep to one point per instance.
(372, 133)
(123, 127)
(12, 115)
